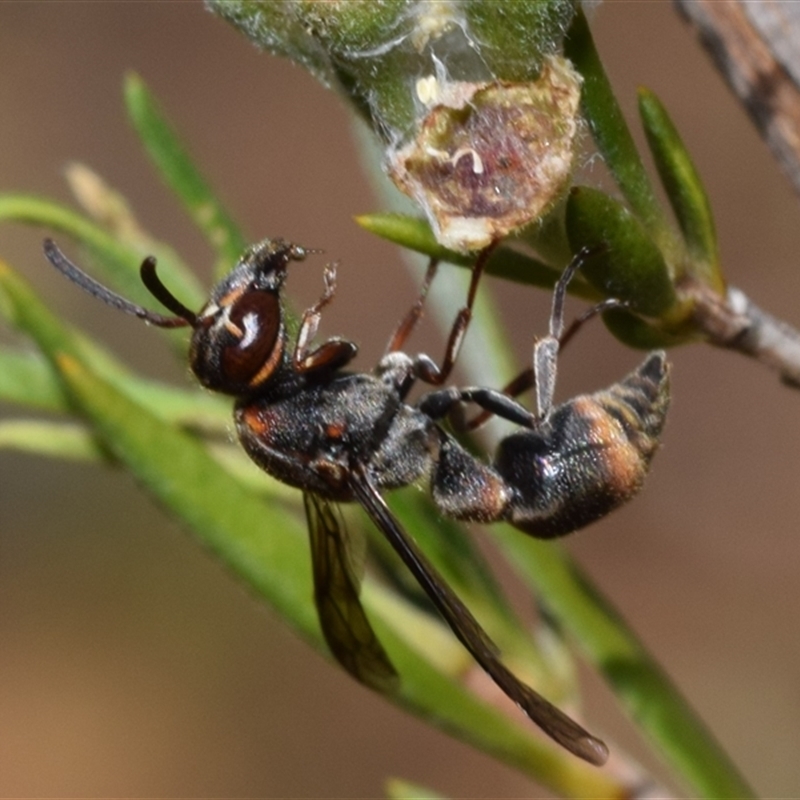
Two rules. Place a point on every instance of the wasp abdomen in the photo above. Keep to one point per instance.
(589, 455)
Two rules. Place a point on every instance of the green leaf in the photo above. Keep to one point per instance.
(627, 264)
(27, 379)
(643, 688)
(119, 263)
(180, 173)
(636, 332)
(415, 234)
(51, 439)
(684, 189)
(398, 789)
(611, 133)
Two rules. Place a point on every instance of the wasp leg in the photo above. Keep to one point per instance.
(609, 304)
(545, 351)
(409, 322)
(524, 381)
(424, 368)
(330, 355)
(440, 403)
(527, 378)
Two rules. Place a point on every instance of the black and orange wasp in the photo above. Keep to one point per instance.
(344, 436)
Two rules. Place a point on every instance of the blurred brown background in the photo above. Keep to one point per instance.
(132, 665)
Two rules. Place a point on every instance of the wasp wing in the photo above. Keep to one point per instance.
(551, 720)
(336, 588)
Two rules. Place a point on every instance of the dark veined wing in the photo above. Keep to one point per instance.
(336, 588)
(551, 720)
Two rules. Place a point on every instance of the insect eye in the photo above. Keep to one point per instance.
(256, 319)
(237, 345)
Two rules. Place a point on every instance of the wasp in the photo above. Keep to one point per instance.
(343, 436)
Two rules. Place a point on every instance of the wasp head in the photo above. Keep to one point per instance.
(239, 335)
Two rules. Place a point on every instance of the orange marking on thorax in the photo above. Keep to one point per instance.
(255, 421)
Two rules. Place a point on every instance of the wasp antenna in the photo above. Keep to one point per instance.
(96, 289)
(164, 296)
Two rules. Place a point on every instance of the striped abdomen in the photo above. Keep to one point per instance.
(589, 455)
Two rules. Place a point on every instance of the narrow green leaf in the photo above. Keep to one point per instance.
(611, 133)
(52, 439)
(30, 381)
(118, 263)
(643, 688)
(27, 379)
(180, 173)
(28, 375)
(192, 409)
(684, 189)
(398, 789)
(415, 234)
(628, 265)
(113, 212)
